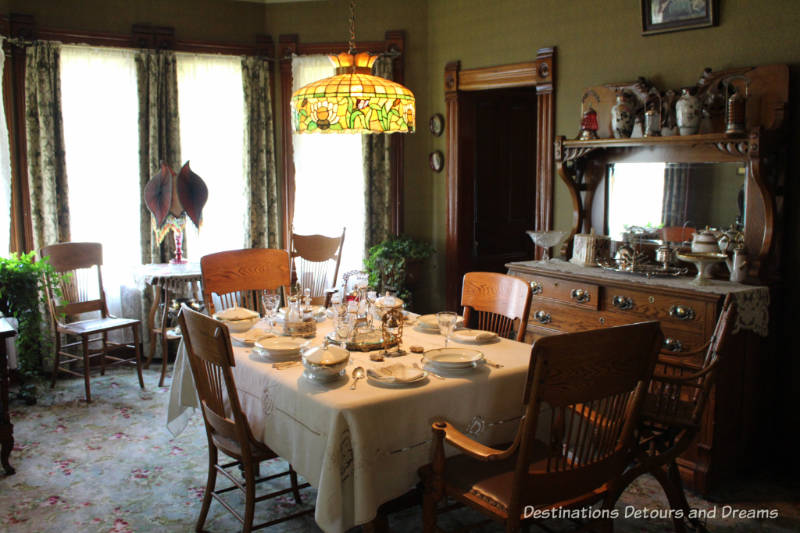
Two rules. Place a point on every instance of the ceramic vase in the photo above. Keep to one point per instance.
(622, 118)
(688, 113)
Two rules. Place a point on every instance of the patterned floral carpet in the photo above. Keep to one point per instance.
(113, 466)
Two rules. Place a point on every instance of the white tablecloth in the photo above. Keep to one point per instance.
(361, 448)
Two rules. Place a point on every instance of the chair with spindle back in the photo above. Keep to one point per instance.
(237, 277)
(315, 264)
(208, 347)
(496, 302)
(673, 411)
(582, 399)
(82, 292)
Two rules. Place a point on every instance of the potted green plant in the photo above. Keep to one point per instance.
(23, 282)
(394, 264)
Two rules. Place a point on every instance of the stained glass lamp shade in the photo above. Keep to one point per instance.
(353, 101)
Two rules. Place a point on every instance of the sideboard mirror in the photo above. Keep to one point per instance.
(642, 198)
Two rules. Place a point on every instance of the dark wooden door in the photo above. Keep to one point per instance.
(497, 137)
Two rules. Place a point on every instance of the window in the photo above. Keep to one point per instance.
(329, 176)
(5, 176)
(635, 195)
(211, 108)
(101, 125)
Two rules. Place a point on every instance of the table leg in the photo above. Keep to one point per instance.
(164, 340)
(151, 319)
(6, 427)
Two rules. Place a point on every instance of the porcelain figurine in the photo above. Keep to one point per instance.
(688, 113)
(622, 117)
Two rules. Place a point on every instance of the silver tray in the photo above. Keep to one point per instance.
(363, 342)
(648, 270)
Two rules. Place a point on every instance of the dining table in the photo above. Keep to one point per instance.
(362, 447)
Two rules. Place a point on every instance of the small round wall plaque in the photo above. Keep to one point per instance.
(436, 124)
(436, 160)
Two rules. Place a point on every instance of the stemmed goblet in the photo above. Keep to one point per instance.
(447, 321)
(270, 302)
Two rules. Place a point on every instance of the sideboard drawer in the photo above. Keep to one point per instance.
(683, 312)
(565, 318)
(579, 294)
(678, 340)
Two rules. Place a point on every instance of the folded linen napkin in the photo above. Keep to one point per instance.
(252, 335)
(473, 335)
(235, 313)
(396, 372)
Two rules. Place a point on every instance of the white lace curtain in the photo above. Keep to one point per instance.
(329, 176)
(5, 172)
(100, 111)
(211, 110)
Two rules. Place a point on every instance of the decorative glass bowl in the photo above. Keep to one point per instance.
(547, 239)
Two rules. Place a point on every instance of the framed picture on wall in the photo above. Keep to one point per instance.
(660, 16)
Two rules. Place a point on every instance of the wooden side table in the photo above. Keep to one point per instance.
(167, 280)
(6, 427)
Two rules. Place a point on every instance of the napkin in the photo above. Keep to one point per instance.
(395, 372)
(255, 334)
(235, 313)
(473, 335)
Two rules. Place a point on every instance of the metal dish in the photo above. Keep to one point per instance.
(362, 342)
(648, 270)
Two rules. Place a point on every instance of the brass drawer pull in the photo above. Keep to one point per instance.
(673, 345)
(580, 295)
(681, 312)
(622, 302)
(536, 287)
(542, 317)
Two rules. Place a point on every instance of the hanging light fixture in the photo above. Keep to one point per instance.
(353, 100)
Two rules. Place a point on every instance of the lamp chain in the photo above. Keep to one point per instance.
(352, 42)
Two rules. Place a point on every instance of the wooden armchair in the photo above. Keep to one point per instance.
(673, 412)
(496, 302)
(208, 346)
(315, 262)
(237, 277)
(82, 293)
(585, 390)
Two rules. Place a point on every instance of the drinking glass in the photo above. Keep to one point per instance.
(344, 326)
(447, 321)
(270, 301)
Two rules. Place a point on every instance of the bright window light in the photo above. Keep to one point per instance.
(329, 176)
(211, 107)
(635, 195)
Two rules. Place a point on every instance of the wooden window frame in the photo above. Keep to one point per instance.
(289, 46)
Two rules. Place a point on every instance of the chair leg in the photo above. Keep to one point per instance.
(249, 497)
(429, 512)
(211, 484)
(85, 344)
(56, 360)
(672, 496)
(103, 354)
(137, 346)
(295, 490)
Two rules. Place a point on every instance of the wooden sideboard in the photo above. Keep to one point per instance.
(568, 298)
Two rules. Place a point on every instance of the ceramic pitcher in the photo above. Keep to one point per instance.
(688, 113)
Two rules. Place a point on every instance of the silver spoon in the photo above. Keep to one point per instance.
(358, 373)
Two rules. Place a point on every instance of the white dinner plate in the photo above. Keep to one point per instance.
(248, 338)
(281, 345)
(430, 322)
(451, 358)
(474, 336)
(396, 375)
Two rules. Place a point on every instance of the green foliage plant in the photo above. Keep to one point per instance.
(387, 263)
(23, 284)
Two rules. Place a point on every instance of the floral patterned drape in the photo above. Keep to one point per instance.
(47, 171)
(159, 135)
(673, 206)
(261, 181)
(378, 175)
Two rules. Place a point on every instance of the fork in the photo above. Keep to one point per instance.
(434, 374)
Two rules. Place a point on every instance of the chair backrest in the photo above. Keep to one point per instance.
(679, 389)
(208, 346)
(82, 287)
(315, 260)
(496, 302)
(593, 383)
(237, 277)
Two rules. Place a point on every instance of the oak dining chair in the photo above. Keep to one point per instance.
(315, 264)
(208, 346)
(81, 292)
(581, 404)
(673, 413)
(496, 302)
(237, 277)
